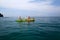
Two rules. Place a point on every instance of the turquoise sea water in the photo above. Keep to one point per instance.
(44, 28)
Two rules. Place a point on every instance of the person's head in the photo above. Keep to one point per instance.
(28, 16)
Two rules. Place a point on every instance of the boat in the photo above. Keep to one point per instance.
(25, 20)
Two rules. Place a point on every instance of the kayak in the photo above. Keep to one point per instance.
(25, 20)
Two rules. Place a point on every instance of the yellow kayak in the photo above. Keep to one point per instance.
(25, 20)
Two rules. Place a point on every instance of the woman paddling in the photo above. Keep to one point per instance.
(28, 19)
(19, 18)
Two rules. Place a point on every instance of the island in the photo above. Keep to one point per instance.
(1, 15)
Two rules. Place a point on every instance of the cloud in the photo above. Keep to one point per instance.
(24, 4)
(18, 4)
(41, 6)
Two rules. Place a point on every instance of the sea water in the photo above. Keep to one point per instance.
(44, 28)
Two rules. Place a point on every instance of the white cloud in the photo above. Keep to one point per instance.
(18, 4)
(22, 4)
(43, 6)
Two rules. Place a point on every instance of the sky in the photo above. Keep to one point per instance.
(11, 8)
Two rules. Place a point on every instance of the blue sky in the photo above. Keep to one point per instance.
(11, 8)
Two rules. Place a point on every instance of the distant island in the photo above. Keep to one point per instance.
(1, 15)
